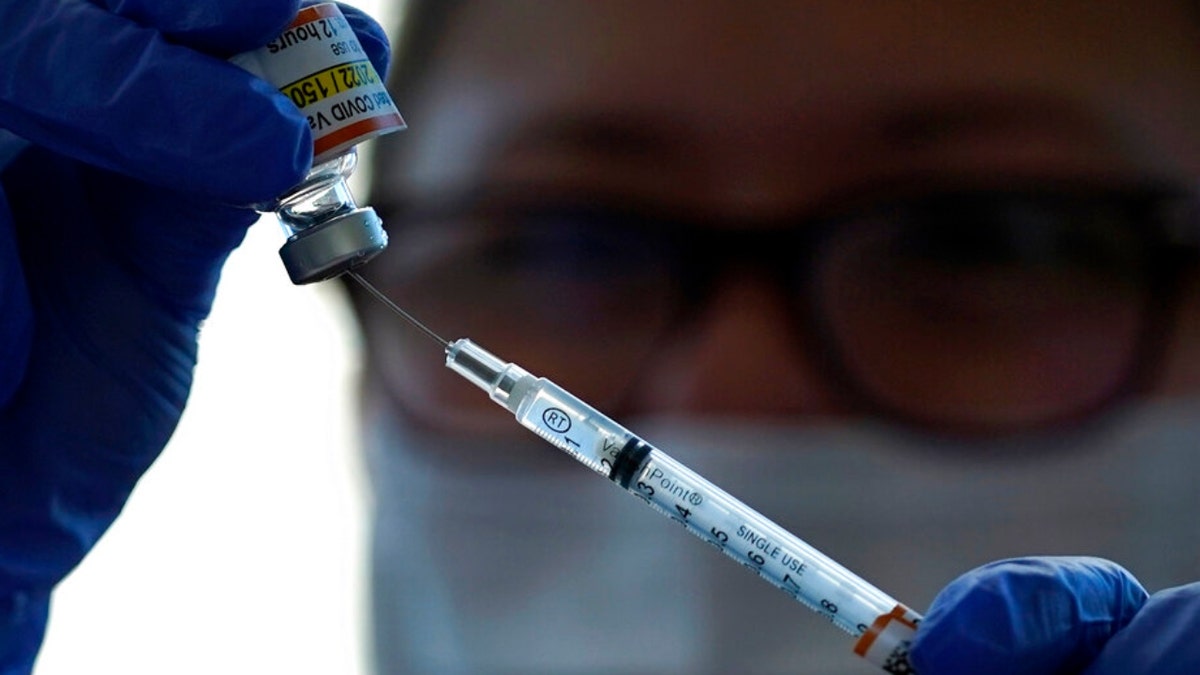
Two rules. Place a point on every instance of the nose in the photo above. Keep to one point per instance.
(742, 356)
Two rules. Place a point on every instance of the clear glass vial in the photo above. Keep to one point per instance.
(327, 232)
(319, 65)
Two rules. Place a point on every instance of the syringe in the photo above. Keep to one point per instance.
(883, 626)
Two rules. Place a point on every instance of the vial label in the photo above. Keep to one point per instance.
(318, 63)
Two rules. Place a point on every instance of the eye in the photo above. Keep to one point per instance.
(988, 308)
(973, 231)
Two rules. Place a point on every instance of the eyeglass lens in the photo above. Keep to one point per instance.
(965, 310)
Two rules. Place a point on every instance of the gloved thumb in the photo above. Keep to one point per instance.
(1036, 616)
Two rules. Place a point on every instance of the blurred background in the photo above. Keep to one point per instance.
(241, 551)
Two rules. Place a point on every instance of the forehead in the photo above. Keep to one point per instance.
(802, 47)
(818, 88)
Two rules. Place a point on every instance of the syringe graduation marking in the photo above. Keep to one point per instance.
(686, 497)
(884, 627)
(672, 489)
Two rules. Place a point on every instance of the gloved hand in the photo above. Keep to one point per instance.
(125, 138)
(1042, 616)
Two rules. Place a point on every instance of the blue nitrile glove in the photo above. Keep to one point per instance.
(1161, 638)
(1043, 616)
(124, 138)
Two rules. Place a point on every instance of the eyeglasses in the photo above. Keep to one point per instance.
(970, 311)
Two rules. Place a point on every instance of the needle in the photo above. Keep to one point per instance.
(442, 342)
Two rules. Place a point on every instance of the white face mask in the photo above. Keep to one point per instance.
(549, 568)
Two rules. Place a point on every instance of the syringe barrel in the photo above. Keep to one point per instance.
(884, 627)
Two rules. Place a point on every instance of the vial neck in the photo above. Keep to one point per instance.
(324, 194)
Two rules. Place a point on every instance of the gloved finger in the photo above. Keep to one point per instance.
(16, 317)
(1036, 616)
(218, 27)
(172, 245)
(119, 276)
(114, 353)
(23, 616)
(1160, 640)
(370, 34)
(104, 90)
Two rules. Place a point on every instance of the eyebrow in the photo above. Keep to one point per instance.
(920, 123)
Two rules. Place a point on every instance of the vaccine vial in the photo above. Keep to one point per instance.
(318, 63)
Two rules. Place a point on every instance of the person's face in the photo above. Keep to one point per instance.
(735, 208)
